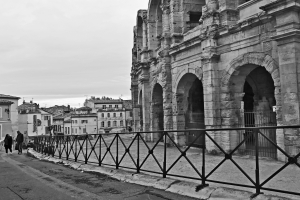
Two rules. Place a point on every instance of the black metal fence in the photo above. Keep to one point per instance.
(112, 149)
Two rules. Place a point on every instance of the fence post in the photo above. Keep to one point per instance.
(257, 186)
(75, 138)
(59, 147)
(165, 156)
(67, 148)
(117, 156)
(138, 154)
(100, 138)
(86, 149)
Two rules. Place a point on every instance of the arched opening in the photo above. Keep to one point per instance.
(157, 109)
(190, 104)
(256, 85)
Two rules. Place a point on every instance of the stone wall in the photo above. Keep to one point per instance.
(227, 45)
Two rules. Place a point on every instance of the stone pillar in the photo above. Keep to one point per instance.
(152, 40)
(144, 80)
(165, 18)
(228, 13)
(211, 95)
(287, 36)
(145, 42)
(178, 118)
(176, 21)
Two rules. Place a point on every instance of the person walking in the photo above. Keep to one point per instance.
(19, 140)
(8, 143)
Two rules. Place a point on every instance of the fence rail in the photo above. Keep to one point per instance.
(111, 150)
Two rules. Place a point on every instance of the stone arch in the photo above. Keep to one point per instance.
(184, 72)
(252, 58)
(237, 73)
(255, 58)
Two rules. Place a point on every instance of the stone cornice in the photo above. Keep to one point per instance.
(281, 6)
(291, 36)
(184, 45)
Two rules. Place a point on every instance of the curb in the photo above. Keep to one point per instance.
(180, 187)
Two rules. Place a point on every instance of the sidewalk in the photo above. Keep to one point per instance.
(26, 178)
(288, 179)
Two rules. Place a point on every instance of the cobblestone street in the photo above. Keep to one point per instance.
(288, 179)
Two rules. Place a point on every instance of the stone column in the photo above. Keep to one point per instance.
(287, 36)
(145, 42)
(228, 13)
(178, 118)
(144, 80)
(211, 87)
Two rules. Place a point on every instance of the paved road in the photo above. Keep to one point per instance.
(22, 177)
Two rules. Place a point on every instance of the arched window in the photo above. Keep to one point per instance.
(108, 114)
(108, 124)
(114, 114)
(102, 114)
(121, 123)
(115, 123)
(102, 124)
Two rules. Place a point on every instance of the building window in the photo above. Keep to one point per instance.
(75, 121)
(46, 117)
(59, 128)
(68, 130)
(110, 106)
(130, 114)
(84, 121)
(108, 124)
(115, 123)
(75, 130)
(0, 112)
(84, 130)
(102, 114)
(72, 130)
(121, 123)
(121, 114)
(108, 114)
(102, 124)
(114, 114)
(195, 17)
(116, 106)
(104, 106)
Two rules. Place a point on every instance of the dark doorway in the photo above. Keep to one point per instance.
(158, 112)
(258, 102)
(194, 117)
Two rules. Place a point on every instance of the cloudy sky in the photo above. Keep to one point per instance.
(59, 51)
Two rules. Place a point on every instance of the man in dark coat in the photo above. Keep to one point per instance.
(19, 140)
(8, 143)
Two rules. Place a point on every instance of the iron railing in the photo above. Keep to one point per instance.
(116, 145)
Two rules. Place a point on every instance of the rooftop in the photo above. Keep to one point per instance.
(8, 96)
(5, 102)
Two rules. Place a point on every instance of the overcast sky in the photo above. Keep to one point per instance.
(58, 51)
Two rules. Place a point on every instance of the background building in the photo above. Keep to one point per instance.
(114, 115)
(83, 121)
(33, 120)
(8, 115)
